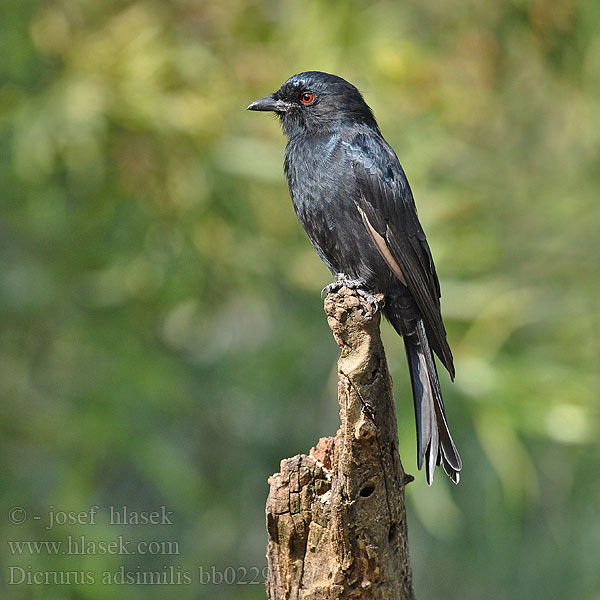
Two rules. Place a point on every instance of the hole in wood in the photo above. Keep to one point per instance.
(367, 490)
(393, 532)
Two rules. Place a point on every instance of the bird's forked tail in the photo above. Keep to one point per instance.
(434, 443)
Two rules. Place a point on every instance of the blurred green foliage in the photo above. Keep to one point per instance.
(162, 340)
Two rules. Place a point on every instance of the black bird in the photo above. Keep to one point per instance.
(353, 199)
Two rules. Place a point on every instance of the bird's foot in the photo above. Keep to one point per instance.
(352, 284)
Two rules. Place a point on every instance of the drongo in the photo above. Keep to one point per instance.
(353, 199)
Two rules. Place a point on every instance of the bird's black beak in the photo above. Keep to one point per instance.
(269, 103)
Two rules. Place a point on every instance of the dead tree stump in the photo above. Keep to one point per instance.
(336, 519)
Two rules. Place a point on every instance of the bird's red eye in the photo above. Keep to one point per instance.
(307, 98)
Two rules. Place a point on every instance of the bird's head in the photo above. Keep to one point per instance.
(314, 101)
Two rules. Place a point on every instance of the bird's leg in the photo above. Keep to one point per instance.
(357, 285)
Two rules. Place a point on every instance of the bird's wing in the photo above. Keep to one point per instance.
(386, 205)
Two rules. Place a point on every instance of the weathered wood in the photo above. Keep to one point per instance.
(336, 519)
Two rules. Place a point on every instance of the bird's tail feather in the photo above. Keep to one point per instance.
(434, 442)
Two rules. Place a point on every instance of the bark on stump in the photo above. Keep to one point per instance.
(336, 519)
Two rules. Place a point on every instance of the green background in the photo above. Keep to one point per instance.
(162, 339)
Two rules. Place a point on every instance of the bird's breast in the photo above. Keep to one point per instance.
(315, 170)
(324, 192)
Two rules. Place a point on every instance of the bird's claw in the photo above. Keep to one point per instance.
(331, 288)
(369, 298)
(352, 285)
